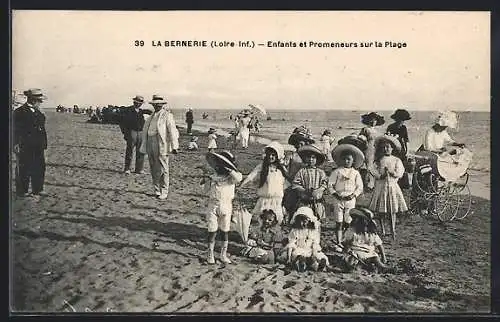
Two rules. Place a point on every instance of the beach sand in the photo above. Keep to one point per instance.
(101, 242)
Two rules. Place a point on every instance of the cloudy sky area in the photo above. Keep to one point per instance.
(89, 58)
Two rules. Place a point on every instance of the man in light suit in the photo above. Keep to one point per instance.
(160, 137)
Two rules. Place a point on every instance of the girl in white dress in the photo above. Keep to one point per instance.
(326, 144)
(387, 169)
(212, 137)
(271, 176)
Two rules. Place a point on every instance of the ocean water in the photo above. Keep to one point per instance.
(473, 129)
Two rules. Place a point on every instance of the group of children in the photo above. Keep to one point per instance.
(291, 194)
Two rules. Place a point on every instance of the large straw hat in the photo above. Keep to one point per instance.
(364, 213)
(392, 139)
(311, 148)
(157, 99)
(35, 93)
(224, 158)
(401, 115)
(276, 146)
(447, 118)
(308, 213)
(358, 155)
(369, 117)
(138, 98)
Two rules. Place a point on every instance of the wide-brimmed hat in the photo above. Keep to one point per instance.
(35, 93)
(369, 117)
(224, 158)
(364, 213)
(401, 115)
(358, 141)
(138, 98)
(306, 212)
(447, 118)
(311, 148)
(157, 99)
(277, 147)
(392, 139)
(358, 155)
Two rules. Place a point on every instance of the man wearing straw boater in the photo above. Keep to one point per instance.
(160, 138)
(30, 143)
(132, 122)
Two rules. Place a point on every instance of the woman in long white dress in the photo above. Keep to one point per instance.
(244, 130)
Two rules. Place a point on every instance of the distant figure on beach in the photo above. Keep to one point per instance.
(212, 139)
(326, 144)
(220, 188)
(399, 128)
(243, 128)
(204, 115)
(370, 131)
(160, 138)
(193, 144)
(131, 124)
(311, 181)
(30, 143)
(189, 120)
(271, 176)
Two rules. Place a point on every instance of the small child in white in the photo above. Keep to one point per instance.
(345, 185)
(212, 137)
(220, 188)
(193, 145)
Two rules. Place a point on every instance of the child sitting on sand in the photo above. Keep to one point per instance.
(265, 246)
(387, 169)
(303, 248)
(361, 241)
(311, 181)
(220, 188)
(271, 175)
(212, 137)
(193, 145)
(345, 184)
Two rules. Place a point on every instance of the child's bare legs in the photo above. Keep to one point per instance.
(223, 251)
(380, 217)
(211, 247)
(340, 231)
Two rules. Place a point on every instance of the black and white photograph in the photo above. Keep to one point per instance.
(250, 162)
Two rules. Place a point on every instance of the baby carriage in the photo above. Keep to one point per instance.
(439, 185)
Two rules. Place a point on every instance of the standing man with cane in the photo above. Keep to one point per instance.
(131, 125)
(30, 143)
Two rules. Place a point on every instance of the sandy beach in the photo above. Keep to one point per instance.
(101, 242)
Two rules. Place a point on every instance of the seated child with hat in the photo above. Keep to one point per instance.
(265, 245)
(193, 145)
(220, 188)
(361, 241)
(345, 184)
(303, 248)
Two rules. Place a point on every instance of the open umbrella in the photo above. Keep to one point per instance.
(242, 218)
(258, 108)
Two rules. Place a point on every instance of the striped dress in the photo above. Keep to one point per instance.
(312, 178)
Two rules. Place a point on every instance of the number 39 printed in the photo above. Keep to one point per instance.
(139, 43)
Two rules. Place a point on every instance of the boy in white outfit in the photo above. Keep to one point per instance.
(220, 188)
(345, 184)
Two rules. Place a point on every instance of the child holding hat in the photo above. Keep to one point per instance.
(345, 184)
(311, 181)
(387, 169)
(220, 188)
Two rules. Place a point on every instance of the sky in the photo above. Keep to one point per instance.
(89, 58)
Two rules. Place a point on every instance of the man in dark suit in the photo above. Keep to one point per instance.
(189, 121)
(132, 122)
(30, 143)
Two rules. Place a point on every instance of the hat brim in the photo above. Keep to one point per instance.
(215, 159)
(387, 138)
(357, 212)
(354, 140)
(307, 149)
(276, 147)
(137, 100)
(158, 102)
(308, 214)
(295, 138)
(400, 117)
(38, 97)
(359, 157)
(367, 119)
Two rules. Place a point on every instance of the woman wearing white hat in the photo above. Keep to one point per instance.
(437, 137)
(271, 175)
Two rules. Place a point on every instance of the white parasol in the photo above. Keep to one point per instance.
(258, 108)
(242, 218)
